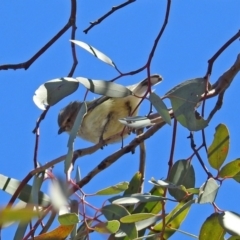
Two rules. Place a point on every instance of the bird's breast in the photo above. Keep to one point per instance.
(103, 122)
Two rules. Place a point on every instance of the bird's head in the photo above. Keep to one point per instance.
(67, 116)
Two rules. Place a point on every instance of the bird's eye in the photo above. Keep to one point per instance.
(69, 120)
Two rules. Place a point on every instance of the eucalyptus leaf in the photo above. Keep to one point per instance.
(218, 150)
(120, 187)
(208, 191)
(163, 183)
(51, 92)
(160, 107)
(109, 89)
(211, 229)
(230, 221)
(136, 122)
(10, 185)
(107, 227)
(94, 52)
(115, 212)
(138, 199)
(182, 173)
(134, 184)
(68, 219)
(73, 134)
(136, 217)
(231, 169)
(175, 223)
(184, 98)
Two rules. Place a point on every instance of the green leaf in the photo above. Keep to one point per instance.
(21, 230)
(53, 91)
(58, 194)
(184, 98)
(234, 238)
(107, 227)
(83, 230)
(218, 150)
(136, 122)
(68, 219)
(163, 183)
(182, 173)
(230, 169)
(10, 185)
(74, 208)
(120, 187)
(151, 207)
(136, 198)
(77, 123)
(115, 212)
(176, 222)
(211, 229)
(134, 184)
(136, 217)
(160, 106)
(37, 183)
(230, 221)
(208, 191)
(22, 215)
(94, 52)
(237, 177)
(109, 89)
(72, 135)
(78, 174)
(141, 225)
(193, 190)
(180, 210)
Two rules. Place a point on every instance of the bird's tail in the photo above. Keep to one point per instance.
(139, 89)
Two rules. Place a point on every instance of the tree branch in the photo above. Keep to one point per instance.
(28, 63)
(98, 21)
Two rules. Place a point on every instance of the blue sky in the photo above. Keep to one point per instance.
(195, 31)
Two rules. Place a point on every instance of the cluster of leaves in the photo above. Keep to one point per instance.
(133, 215)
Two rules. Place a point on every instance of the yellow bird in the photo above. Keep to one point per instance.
(102, 122)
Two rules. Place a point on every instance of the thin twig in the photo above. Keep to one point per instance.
(42, 116)
(92, 24)
(35, 162)
(174, 134)
(217, 106)
(219, 52)
(28, 63)
(73, 34)
(193, 146)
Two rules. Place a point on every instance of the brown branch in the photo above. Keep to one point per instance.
(71, 23)
(28, 63)
(217, 106)
(42, 116)
(142, 160)
(108, 161)
(73, 34)
(225, 80)
(35, 162)
(174, 134)
(156, 41)
(219, 52)
(193, 146)
(98, 21)
(160, 32)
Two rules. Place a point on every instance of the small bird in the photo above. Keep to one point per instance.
(101, 122)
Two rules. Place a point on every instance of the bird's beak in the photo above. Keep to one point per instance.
(61, 130)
